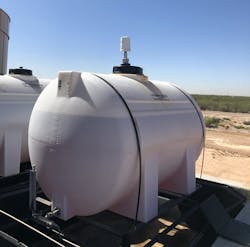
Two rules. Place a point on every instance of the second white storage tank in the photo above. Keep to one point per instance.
(18, 94)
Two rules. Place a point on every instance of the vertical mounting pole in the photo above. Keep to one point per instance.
(32, 189)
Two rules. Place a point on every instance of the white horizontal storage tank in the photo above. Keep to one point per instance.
(95, 139)
(4, 39)
(18, 94)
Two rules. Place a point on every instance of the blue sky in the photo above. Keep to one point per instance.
(201, 45)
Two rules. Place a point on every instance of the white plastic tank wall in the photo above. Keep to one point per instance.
(87, 133)
(4, 39)
(18, 94)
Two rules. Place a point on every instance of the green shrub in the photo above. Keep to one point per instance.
(246, 122)
(212, 122)
(239, 127)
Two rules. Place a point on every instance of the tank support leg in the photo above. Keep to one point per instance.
(183, 180)
(148, 207)
(11, 153)
(148, 204)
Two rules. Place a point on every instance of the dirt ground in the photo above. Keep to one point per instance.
(227, 152)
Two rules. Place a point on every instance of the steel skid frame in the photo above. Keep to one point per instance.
(178, 215)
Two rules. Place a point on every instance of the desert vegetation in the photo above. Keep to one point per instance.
(226, 123)
(246, 122)
(223, 103)
(212, 122)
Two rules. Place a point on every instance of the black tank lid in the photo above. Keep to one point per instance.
(20, 71)
(127, 69)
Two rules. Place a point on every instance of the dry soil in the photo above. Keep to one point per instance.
(227, 150)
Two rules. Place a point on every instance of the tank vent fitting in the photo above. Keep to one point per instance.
(125, 67)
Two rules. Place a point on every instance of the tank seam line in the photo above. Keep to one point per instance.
(134, 122)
